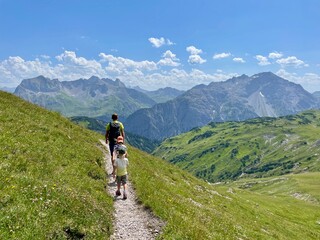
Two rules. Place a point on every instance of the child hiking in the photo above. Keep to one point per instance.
(116, 148)
(114, 129)
(119, 144)
(120, 169)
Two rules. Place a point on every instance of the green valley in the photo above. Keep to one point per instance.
(258, 147)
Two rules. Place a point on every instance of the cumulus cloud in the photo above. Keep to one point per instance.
(120, 64)
(71, 62)
(309, 81)
(71, 67)
(158, 42)
(169, 59)
(149, 75)
(194, 57)
(169, 54)
(67, 67)
(291, 61)
(14, 69)
(181, 79)
(221, 55)
(239, 60)
(274, 55)
(263, 61)
(193, 50)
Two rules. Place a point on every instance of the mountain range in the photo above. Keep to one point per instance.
(168, 112)
(239, 98)
(92, 97)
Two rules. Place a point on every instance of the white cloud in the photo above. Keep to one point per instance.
(170, 42)
(239, 60)
(120, 64)
(145, 74)
(291, 61)
(149, 75)
(309, 81)
(274, 55)
(14, 69)
(169, 54)
(180, 79)
(263, 61)
(70, 58)
(193, 50)
(194, 57)
(221, 55)
(169, 59)
(158, 42)
(72, 67)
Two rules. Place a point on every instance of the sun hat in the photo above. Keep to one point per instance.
(120, 139)
(122, 150)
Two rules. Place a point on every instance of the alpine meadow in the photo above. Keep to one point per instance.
(53, 183)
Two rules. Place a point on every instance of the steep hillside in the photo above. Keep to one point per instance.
(52, 181)
(256, 148)
(194, 209)
(91, 97)
(237, 99)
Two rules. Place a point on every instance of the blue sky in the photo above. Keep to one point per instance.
(154, 44)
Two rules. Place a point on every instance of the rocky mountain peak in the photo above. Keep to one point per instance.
(239, 98)
(39, 84)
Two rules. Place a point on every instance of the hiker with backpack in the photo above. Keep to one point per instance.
(114, 129)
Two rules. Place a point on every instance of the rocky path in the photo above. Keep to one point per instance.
(131, 220)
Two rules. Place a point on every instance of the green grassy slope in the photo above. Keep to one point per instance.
(255, 148)
(52, 179)
(52, 187)
(194, 209)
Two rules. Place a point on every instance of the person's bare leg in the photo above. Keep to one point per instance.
(118, 193)
(124, 191)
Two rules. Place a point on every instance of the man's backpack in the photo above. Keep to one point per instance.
(114, 131)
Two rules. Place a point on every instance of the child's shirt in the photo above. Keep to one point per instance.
(121, 165)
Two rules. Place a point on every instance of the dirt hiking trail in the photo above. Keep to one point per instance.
(131, 220)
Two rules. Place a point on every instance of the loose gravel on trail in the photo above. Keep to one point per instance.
(131, 220)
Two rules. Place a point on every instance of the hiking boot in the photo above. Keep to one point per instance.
(118, 193)
(124, 196)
